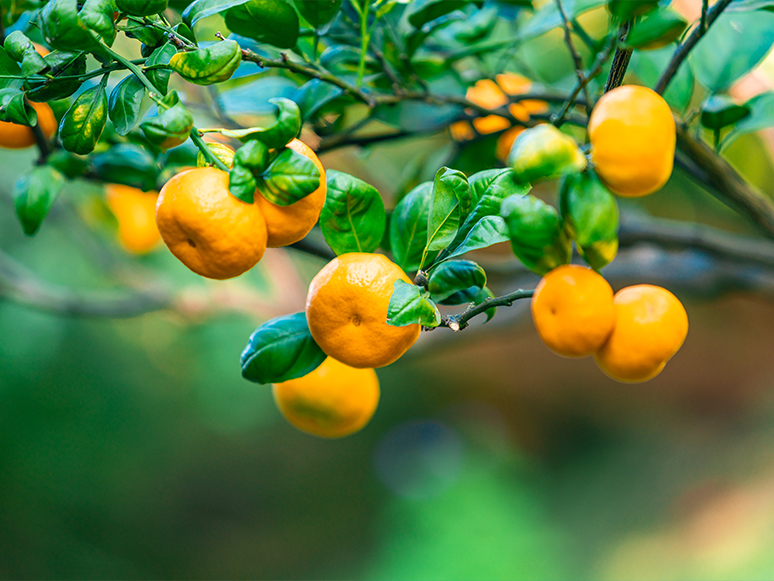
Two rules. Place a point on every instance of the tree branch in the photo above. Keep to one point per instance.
(576, 58)
(682, 51)
(459, 322)
(620, 61)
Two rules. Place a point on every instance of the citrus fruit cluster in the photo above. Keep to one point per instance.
(632, 333)
(219, 236)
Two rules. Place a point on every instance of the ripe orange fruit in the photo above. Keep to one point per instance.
(135, 211)
(346, 309)
(632, 135)
(333, 401)
(210, 231)
(573, 310)
(488, 94)
(289, 224)
(650, 327)
(505, 142)
(15, 136)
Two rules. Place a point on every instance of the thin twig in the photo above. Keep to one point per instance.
(681, 52)
(459, 322)
(576, 57)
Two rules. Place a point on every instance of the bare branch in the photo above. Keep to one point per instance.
(576, 58)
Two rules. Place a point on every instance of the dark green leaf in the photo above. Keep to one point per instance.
(408, 227)
(483, 295)
(242, 183)
(745, 5)
(61, 64)
(204, 8)
(142, 7)
(449, 207)
(71, 165)
(9, 68)
(719, 111)
(462, 278)
(537, 236)
(83, 123)
(34, 194)
(160, 56)
(210, 65)
(171, 127)
(253, 155)
(63, 28)
(353, 218)
(14, 108)
(420, 12)
(488, 230)
(734, 45)
(415, 39)
(97, 15)
(761, 117)
(126, 164)
(289, 178)
(274, 22)
(625, 10)
(313, 95)
(280, 350)
(410, 306)
(21, 49)
(285, 128)
(590, 215)
(658, 29)
(124, 104)
(544, 152)
(318, 12)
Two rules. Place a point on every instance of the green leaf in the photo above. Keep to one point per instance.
(274, 22)
(318, 12)
(289, 178)
(124, 104)
(449, 207)
(285, 128)
(660, 28)
(21, 49)
(590, 215)
(280, 350)
(761, 117)
(625, 10)
(408, 227)
(97, 15)
(410, 306)
(34, 194)
(313, 96)
(126, 164)
(734, 45)
(81, 126)
(61, 64)
(161, 56)
(420, 12)
(649, 65)
(745, 5)
(353, 218)
(71, 165)
(462, 279)
(548, 17)
(14, 108)
(9, 68)
(254, 155)
(537, 236)
(488, 230)
(483, 295)
(142, 7)
(242, 183)
(719, 111)
(171, 127)
(544, 152)
(204, 8)
(63, 28)
(210, 65)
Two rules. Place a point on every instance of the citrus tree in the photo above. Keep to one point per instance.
(216, 102)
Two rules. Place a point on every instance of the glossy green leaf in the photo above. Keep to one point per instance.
(353, 218)
(488, 230)
(21, 49)
(124, 104)
(161, 56)
(242, 183)
(660, 28)
(203, 8)
(280, 350)
(734, 45)
(150, 36)
(544, 152)
(34, 194)
(126, 164)
(449, 207)
(745, 5)
(625, 10)
(253, 155)
(81, 126)
(61, 64)
(537, 236)
(63, 28)
(318, 12)
(313, 96)
(289, 178)
(761, 117)
(649, 65)
(14, 108)
(483, 295)
(171, 127)
(719, 111)
(409, 305)
(71, 165)
(415, 39)
(285, 128)
(210, 65)
(590, 216)
(462, 279)
(142, 7)
(9, 68)
(97, 15)
(420, 12)
(274, 22)
(408, 227)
